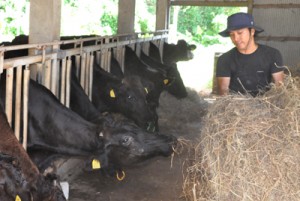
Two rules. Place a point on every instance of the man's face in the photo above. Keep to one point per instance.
(242, 38)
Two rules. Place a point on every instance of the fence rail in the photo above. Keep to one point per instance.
(51, 66)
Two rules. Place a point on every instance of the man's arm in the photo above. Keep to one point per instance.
(223, 85)
(278, 78)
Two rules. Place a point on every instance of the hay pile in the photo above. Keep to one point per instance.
(249, 149)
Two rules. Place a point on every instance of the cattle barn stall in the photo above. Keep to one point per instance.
(52, 69)
(44, 36)
(279, 18)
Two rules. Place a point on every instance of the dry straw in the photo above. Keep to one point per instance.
(249, 149)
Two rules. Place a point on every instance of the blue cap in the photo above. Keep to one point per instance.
(240, 21)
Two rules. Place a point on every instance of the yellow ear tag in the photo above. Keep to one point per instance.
(146, 90)
(120, 178)
(166, 81)
(96, 164)
(18, 198)
(112, 93)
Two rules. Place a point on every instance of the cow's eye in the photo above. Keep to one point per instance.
(125, 141)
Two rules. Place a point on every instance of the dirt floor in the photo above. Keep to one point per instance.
(159, 179)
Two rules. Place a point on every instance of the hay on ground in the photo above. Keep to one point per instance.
(249, 149)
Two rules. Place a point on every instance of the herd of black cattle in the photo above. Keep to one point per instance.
(118, 128)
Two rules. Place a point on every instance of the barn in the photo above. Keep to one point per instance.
(48, 60)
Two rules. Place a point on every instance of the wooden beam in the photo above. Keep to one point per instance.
(278, 38)
(285, 6)
(206, 3)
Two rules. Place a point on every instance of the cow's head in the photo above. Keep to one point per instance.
(186, 49)
(48, 189)
(14, 186)
(127, 145)
(128, 97)
(182, 51)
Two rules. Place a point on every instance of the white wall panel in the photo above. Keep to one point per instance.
(281, 23)
(278, 22)
(276, 1)
(290, 51)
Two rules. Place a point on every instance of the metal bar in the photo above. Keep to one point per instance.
(62, 42)
(285, 6)
(1, 61)
(77, 65)
(68, 82)
(63, 82)
(207, 3)
(9, 94)
(86, 74)
(54, 75)
(17, 61)
(26, 79)
(278, 38)
(18, 102)
(91, 69)
(82, 70)
(47, 75)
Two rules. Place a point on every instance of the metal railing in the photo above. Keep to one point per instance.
(51, 66)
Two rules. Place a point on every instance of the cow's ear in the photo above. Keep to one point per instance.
(112, 93)
(192, 47)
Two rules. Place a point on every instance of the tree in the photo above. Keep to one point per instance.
(203, 23)
(14, 18)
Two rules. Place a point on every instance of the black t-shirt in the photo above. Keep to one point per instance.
(250, 72)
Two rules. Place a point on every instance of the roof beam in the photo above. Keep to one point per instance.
(208, 3)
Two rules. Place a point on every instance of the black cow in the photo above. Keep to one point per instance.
(177, 88)
(19, 177)
(57, 129)
(172, 53)
(154, 80)
(125, 96)
(81, 104)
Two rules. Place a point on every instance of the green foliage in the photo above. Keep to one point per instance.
(144, 25)
(151, 6)
(203, 23)
(109, 23)
(72, 3)
(14, 18)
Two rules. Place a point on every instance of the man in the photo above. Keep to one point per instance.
(249, 67)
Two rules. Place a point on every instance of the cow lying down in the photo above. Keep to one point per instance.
(57, 129)
(19, 177)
